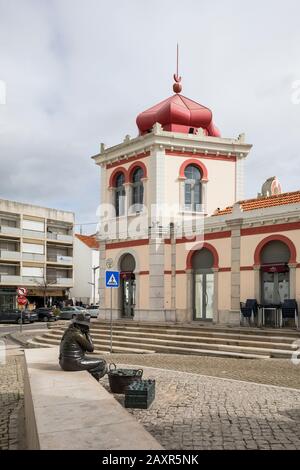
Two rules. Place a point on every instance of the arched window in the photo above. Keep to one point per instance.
(192, 189)
(120, 194)
(137, 188)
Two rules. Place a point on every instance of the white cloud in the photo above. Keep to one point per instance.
(78, 73)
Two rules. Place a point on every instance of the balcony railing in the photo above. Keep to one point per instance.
(14, 231)
(60, 259)
(33, 234)
(10, 255)
(59, 237)
(60, 281)
(33, 257)
(33, 281)
(65, 281)
(10, 280)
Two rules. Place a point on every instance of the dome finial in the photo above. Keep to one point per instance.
(177, 87)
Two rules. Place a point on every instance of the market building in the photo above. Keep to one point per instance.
(174, 221)
(36, 252)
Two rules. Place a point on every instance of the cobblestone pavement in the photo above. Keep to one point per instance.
(11, 401)
(281, 372)
(198, 412)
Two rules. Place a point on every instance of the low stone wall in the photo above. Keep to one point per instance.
(71, 410)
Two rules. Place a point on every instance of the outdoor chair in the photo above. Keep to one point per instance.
(248, 311)
(289, 309)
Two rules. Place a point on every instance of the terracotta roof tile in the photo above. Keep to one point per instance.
(89, 240)
(264, 202)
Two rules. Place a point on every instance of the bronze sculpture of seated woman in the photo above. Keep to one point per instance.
(76, 341)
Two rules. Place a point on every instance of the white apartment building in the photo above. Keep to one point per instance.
(36, 252)
(86, 270)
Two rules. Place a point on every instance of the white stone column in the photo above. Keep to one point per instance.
(145, 197)
(292, 267)
(216, 296)
(257, 283)
(189, 294)
(156, 275)
(204, 197)
(235, 225)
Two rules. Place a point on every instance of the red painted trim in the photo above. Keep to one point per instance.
(271, 238)
(135, 165)
(224, 270)
(178, 271)
(112, 178)
(198, 164)
(127, 244)
(246, 268)
(209, 247)
(207, 236)
(143, 273)
(130, 159)
(270, 228)
(217, 235)
(176, 153)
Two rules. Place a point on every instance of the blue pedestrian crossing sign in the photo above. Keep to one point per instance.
(112, 278)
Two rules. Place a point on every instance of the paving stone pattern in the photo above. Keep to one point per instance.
(199, 412)
(11, 401)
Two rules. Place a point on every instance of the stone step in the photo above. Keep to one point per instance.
(41, 341)
(172, 347)
(193, 333)
(212, 331)
(198, 352)
(173, 339)
(203, 327)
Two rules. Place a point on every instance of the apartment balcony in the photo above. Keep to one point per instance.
(33, 281)
(10, 255)
(61, 259)
(10, 280)
(10, 231)
(59, 237)
(60, 281)
(33, 234)
(33, 257)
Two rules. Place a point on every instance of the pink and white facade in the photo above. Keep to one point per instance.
(162, 223)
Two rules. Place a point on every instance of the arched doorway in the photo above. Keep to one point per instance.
(128, 285)
(275, 273)
(203, 282)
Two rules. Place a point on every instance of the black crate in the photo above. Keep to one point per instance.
(140, 394)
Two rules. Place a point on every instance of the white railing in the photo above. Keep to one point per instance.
(10, 280)
(60, 237)
(65, 281)
(15, 231)
(33, 257)
(33, 234)
(64, 259)
(11, 255)
(33, 281)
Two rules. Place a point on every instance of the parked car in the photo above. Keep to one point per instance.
(93, 310)
(45, 314)
(33, 316)
(70, 312)
(14, 316)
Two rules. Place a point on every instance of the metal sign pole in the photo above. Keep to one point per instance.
(111, 319)
(21, 324)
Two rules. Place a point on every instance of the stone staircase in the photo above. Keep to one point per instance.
(132, 337)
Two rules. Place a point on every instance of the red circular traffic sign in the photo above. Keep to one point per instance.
(22, 300)
(22, 291)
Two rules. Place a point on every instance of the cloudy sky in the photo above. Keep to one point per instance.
(78, 72)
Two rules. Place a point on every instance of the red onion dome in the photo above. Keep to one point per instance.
(178, 114)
